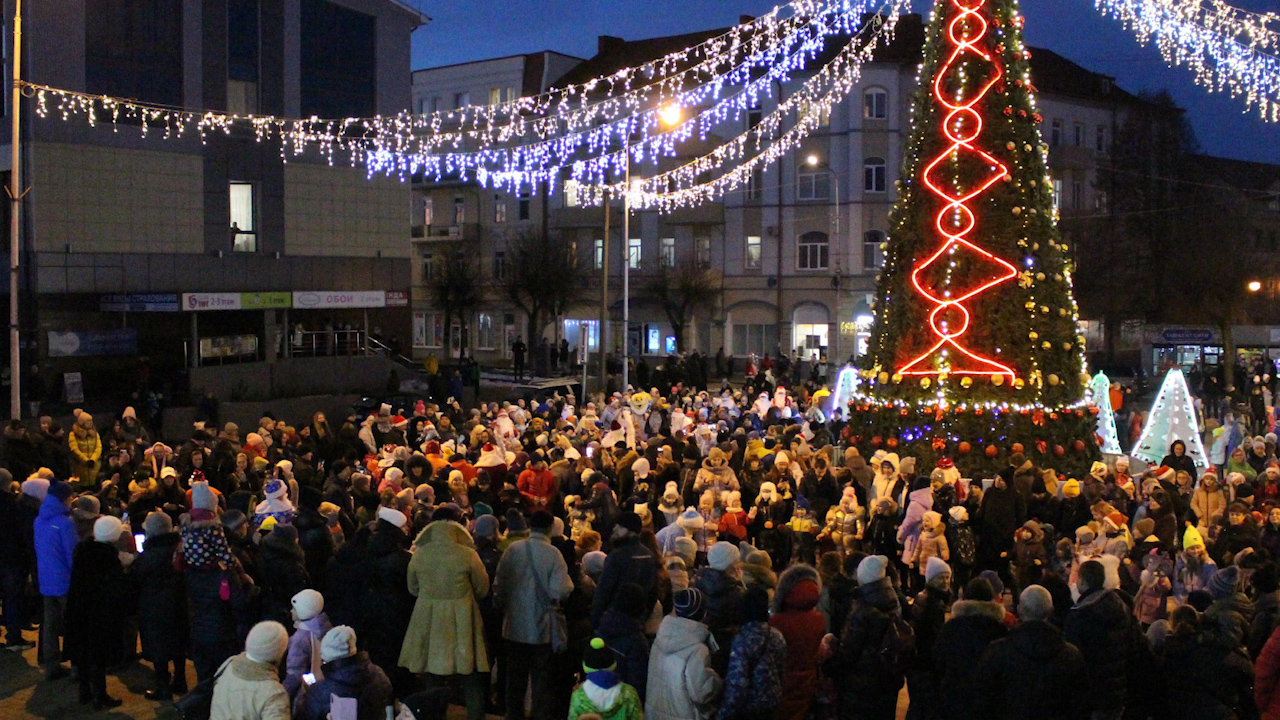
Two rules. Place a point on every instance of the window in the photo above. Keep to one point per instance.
(751, 256)
(572, 250)
(812, 186)
(244, 235)
(242, 56)
(427, 211)
(669, 252)
(1055, 134)
(524, 205)
(1100, 200)
(500, 265)
(486, 337)
(499, 209)
(755, 186)
(436, 104)
(459, 210)
(571, 189)
(597, 254)
(814, 251)
(823, 113)
(754, 116)
(339, 61)
(1078, 134)
(133, 49)
(573, 333)
(633, 253)
(435, 330)
(875, 104)
(1057, 194)
(428, 267)
(872, 253)
(461, 100)
(761, 339)
(1100, 139)
(495, 96)
(1077, 195)
(702, 250)
(873, 175)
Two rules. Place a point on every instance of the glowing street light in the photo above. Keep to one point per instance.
(1254, 286)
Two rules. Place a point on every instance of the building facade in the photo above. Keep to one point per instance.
(189, 252)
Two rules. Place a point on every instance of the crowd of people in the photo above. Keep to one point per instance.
(673, 556)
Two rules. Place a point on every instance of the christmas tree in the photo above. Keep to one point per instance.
(1172, 417)
(1100, 388)
(976, 338)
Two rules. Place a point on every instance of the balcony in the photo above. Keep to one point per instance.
(465, 231)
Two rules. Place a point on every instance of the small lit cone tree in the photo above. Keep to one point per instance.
(1100, 389)
(975, 352)
(1172, 417)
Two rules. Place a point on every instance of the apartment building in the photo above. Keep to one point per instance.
(189, 252)
(796, 251)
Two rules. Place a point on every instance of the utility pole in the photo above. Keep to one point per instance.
(603, 333)
(15, 204)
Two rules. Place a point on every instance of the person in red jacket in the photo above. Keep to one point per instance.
(1266, 681)
(537, 484)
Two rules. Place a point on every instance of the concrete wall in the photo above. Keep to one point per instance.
(295, 377)
(335, 211)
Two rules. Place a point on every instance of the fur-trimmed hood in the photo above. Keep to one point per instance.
(791, 577)
(966, 608)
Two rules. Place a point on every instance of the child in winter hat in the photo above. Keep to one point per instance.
(602, 693)
(310, 625)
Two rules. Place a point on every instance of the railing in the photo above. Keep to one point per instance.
(322, 343)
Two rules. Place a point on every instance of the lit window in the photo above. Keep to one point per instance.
(1057, 194)
(571, 189)
(598, 253)
(495, 96)
(633, 253)
(669, 252)
(875, 104)
(873, 175)
(872, 253)
(486, 336)
(244, 234)
(499, 209)
(459, 210)
(427, 211)
(751, 258)
(814, 251)
(702, 245)
(812, 186)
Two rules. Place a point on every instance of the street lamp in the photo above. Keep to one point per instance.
(1254, 286)
(668, 116)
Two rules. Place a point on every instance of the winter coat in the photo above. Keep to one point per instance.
(753, 685)
(802, 628)
(248, 690)
(304, 650)
(1266, 684)
(973, 626)
(625, 637)
(681, 685)
(350, 677)
(162, 600)
(516, 593)
(867, 686)
(1207, 678)
(1266, 617)
(316, 542)
(1001, 513)
(386, 604)
(1187, 581)
(1206, 504)
(55, 542)
(98, 601)
(620, 702)
(629, 562)
(86, 450)
(1033, 672)
(446, 633)
(909, 531)
(932, 543)
(724, 594)
(1100, 627)
(283, 576)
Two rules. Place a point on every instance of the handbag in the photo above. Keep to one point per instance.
(558, 624)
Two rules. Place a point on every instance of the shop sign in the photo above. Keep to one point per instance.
(201, 302)
(397, 298)
(337, 299)
(266, 300)
(1187, 335)
(139, 302)
(119, 341)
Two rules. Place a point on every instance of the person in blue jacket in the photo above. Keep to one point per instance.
(55, 541)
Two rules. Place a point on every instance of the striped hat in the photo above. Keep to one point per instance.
(690, 604)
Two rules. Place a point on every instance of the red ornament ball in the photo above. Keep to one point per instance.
(1059, 451)
(1017, 447)
(964, 448)
(1077, 445)
(992, 451)
(876, 441)
(892, 443)
(1093, 409)
(1053, 416)
(904, 412)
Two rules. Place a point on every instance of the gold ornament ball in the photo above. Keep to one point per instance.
(1017, 211)
(1040, 276)
(925, 382)
(1062, 312)
(1018, 384)
(1044, 308)
(1033, 335)
(1031, 305)
(997, 380)
(897, 378)
(1010, 145)
(1046, 344)
(1053, 379)
(1035, 246)
(1084, 378)
(1033, 211)
(1027, 147)
(966, 382)
(1066, 346)
(883, 377)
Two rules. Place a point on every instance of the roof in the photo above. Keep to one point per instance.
(417, 14)
(1240, 174)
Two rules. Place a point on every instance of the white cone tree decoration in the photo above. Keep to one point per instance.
(1172, 417)
(1100, 387)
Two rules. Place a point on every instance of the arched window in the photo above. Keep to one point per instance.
(873, 174)
(875, 104)
(815, 251)
(872, 255)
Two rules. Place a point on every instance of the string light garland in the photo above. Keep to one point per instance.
(1228, 50)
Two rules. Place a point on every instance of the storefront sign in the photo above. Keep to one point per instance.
(1187, 335)
(121, 341)
(73, 387)
(201, 302)
(340, 299)
(266, 300)
(397, 298)
(139, 302)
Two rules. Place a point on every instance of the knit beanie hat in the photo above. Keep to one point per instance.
(61, 490)
(275, 489)
(338, 643)
(157, 523)
(997, 585)
(1071, 488)
(723, 555)
(516, 521)
(267, 642)
(1221, 585)
(935, 568)
(958, 513)
(631, 522)
(593, 563)
(392, 515)
(233, 519)
(686, 548)
(106, 529)
(872, 569)
(307, 604)
(640, 468)
(86, 507)
(1144, 527)
(598, 656)
(690, 604)
(690, 520)
(486, 527)
(36, 487)
(202, 497)
(1192, 538)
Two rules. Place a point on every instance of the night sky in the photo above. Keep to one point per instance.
(463, 30)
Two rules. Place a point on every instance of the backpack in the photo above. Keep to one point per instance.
(965, 551)
(898, 646)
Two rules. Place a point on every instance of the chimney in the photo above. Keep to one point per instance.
(606, 44)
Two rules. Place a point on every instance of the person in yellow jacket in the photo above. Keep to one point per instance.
(86, 449)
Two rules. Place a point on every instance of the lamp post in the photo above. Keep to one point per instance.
(816, 163)
(668, 116)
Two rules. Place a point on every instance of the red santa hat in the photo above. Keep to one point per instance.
(491, 456)
(1164, 472)
(946, 463)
